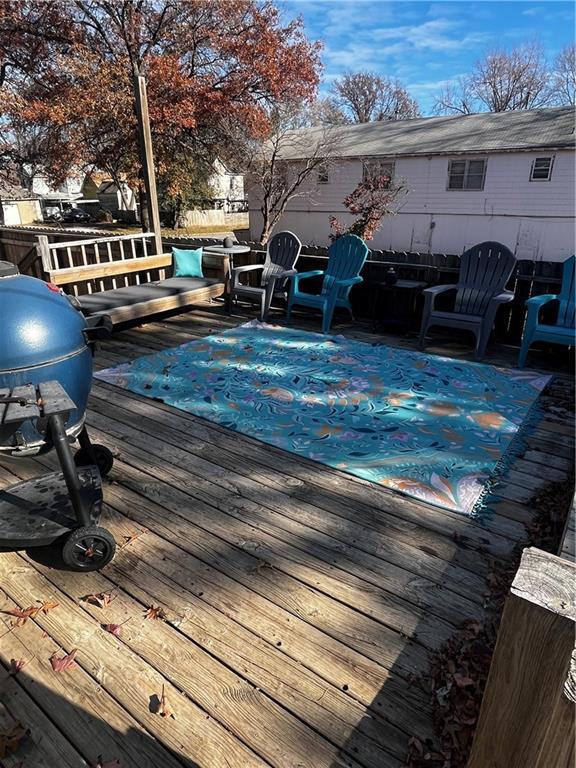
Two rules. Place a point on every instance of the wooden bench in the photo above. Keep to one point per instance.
(116, 276)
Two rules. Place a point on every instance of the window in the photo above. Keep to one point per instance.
(323, 176)
(373, 169)
(541, 169)
(466, 174)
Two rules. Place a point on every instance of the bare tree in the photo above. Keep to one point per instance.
(499, 82)
(455, 98)
(564, 77)
(286, 164)
(364, 97)
(327, 113)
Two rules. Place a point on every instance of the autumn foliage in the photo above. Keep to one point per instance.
(370, 202)
(67, 70)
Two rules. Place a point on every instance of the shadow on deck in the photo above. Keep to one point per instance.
(300, 603)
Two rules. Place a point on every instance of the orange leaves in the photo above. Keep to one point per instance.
(23, 614)
(202, 60)
(155, 612)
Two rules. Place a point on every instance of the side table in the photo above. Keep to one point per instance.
(395, 305)
(234, 249)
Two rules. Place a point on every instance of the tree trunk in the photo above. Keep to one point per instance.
(144, 213)
(265, 227)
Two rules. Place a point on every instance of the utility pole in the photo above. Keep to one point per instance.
(145, 141)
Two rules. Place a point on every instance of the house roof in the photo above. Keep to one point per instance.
(534, 129)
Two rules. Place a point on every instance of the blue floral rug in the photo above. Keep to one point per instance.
(431, 427)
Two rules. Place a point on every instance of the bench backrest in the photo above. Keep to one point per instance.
(93, 265)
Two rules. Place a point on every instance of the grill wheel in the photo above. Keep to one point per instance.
(88, 548)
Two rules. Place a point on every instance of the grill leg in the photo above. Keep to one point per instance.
(86, 445)
(66, 459)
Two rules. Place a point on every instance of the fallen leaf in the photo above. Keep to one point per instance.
(161, 706)
(100, 763)
(101, 599)
(66, 662)
(16, 665)
(129, 539)
(155, 612)
(114, 629)
(47, 606)
(416, 744)
(10, 741)
(23, 614)
(462, 681)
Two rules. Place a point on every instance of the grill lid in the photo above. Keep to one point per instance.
(38, 324)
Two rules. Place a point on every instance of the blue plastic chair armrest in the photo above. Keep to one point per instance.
(504, 297)
(539, 301)
(431, 293)
(535, 304)
(304, 275)
(349, 281)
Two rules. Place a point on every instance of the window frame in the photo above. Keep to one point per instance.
(550, 168)
(466, 174)
(322, 175)
(368, 164)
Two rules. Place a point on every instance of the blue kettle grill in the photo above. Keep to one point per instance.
(45, 378)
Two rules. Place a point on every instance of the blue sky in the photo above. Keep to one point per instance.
(425, 44)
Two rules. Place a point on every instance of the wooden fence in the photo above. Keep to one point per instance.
(530, 277)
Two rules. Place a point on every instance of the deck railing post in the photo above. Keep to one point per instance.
(44, 252)
(527, 717)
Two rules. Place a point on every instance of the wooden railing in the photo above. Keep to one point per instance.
(530, 277)
(112, 260)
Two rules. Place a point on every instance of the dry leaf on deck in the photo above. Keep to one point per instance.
(100, 763)
(66, 662)
(47, 606)
(101, 599)
(129, 539)
(462, 681)
(10, 741)
(155, 612)
(16, 665)
(114, 629)
(161, 706)
(23, 614)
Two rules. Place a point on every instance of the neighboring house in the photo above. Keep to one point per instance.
(228, 188)
(505, 176)
(18, 206)
(112, 199)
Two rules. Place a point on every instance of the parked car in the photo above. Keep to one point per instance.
(76, 215)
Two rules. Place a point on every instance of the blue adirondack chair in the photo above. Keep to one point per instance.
(346, 259)
(564, 330)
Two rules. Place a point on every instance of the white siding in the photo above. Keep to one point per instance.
(534, 219)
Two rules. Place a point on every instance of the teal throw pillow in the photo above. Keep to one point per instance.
(187, 263)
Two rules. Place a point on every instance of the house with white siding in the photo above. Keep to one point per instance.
(507, 176)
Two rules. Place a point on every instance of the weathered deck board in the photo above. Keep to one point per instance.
(300, 600)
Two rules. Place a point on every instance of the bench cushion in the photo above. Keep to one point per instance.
(140, 294)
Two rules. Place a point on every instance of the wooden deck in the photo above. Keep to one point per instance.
(299, 602)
